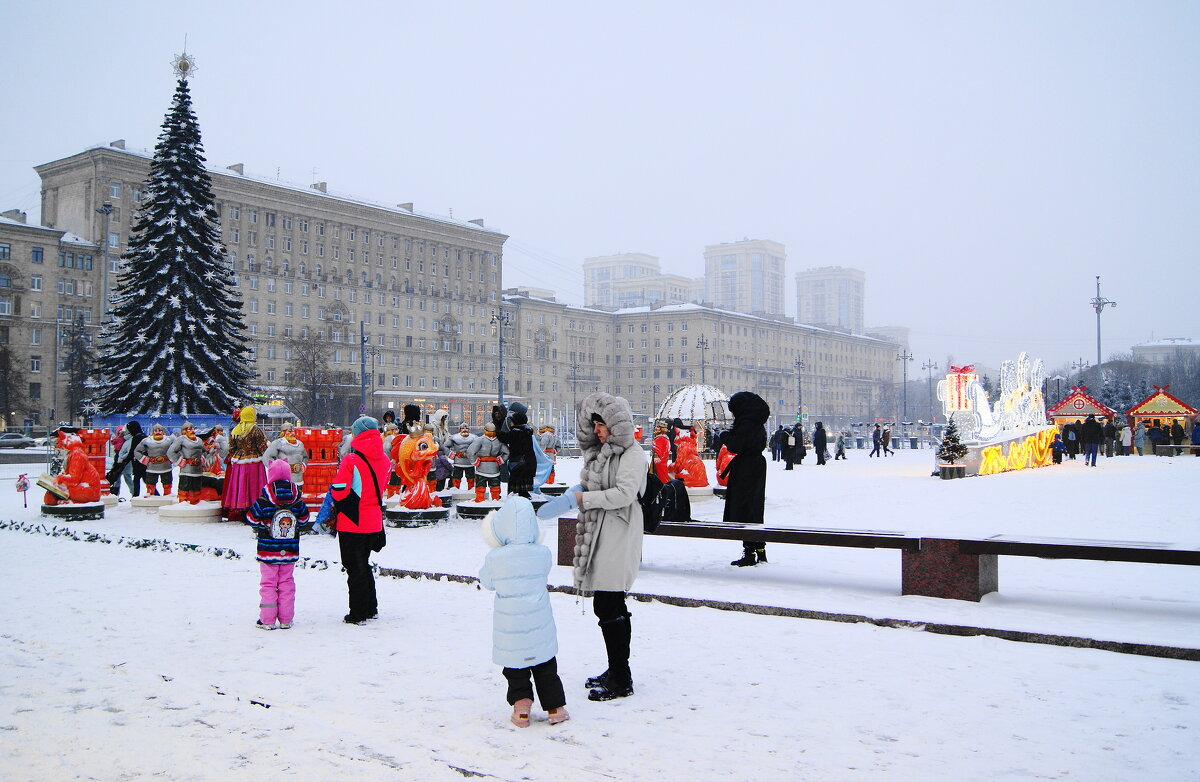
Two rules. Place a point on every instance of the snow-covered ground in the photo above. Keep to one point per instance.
(126, 663)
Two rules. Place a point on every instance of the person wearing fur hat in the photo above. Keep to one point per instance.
(524, 639)
(550, 444)
(291, 450)
(246, 475)
(133, 477)
(278, 516)
(187, 450)
(456, 447)
(746, 473)
(608, 549)
(487, 453)
(152, 453)
(513, 430)
(212, 475)
(358, 514)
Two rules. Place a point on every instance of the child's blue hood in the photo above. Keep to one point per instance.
(513, 522)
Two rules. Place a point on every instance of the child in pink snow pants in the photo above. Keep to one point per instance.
(278, 516)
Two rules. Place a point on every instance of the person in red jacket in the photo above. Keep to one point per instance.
(358, 514)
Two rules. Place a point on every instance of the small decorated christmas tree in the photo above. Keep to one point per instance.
(951, 449)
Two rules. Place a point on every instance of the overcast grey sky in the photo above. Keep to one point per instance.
(980, 161)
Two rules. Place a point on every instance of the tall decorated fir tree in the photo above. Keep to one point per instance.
(177, 343)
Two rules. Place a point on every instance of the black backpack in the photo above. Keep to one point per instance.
(651, 510)
(674, 502)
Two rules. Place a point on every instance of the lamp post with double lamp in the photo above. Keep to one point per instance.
(702, 343)
(500, 321)
(1079, 366)
(799, 365)
(929, 366)
(367, 351)
(106, 211)
(904, 358)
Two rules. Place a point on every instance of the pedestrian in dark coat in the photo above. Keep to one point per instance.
(777, 444)
(1091, 435)
(1177, 436)
(747, 471)
(876, 441)
(1110, 438)
(789, 443)
(1071, 438)
(1196, 438)
(513, 430)
(820, 441)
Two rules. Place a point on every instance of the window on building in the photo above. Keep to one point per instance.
(114, 189)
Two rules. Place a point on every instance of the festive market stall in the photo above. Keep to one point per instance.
(1078, 405)
(1163, 408)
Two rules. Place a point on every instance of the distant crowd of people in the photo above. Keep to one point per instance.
(1092, 435)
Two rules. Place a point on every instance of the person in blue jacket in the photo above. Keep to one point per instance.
(524, 639)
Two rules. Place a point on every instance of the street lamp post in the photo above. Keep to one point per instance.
(362, 368)
(500, 320)
(1079, 366)
(799, 364)
(1058, 380)
(106, 210)
(1098, 304)
(904, 358)
(929, 366)
(702, 343)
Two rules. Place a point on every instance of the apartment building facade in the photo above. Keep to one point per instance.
(425, 292)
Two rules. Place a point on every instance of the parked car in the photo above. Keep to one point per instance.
(15, 440)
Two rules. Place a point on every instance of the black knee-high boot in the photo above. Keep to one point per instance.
(748, 555)
(618, 680)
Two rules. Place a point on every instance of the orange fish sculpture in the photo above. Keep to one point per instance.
(415, 457)
(687, 465)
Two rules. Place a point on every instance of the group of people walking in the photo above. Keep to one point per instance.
(790, 444)
(1091, 437)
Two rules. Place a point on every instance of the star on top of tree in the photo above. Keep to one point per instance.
(184, 65)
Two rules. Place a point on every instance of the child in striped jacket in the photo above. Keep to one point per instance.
(278, 516)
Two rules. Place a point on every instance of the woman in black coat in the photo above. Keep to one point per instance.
(747, 471)
(820, 442)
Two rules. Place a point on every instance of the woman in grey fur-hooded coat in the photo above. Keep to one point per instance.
(608, 542)
(608, 548)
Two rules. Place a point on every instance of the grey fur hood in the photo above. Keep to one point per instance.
(615, 412)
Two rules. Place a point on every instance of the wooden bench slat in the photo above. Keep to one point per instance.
(813, 537)
(1110, 551)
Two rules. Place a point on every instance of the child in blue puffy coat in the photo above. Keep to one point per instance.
(524, 639)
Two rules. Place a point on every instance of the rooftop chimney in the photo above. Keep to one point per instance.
(408, 206)
(320, 186)
(14, 214)
(477, 221)
(118, 144)
(237, 168)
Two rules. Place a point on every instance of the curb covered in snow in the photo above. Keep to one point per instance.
(1120, 647)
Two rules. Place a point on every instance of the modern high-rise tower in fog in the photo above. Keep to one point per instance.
(746, 276)
(831, 296)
